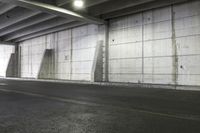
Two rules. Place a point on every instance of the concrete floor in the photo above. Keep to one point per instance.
(39, 107)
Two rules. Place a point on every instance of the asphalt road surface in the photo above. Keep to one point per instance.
(42, 107)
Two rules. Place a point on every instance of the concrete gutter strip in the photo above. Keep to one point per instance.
(159, 86)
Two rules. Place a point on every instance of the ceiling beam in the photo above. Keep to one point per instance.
(36, 28)
(26, 23)
(90, 3)
(5, 8)
(52, 30)
(54, 10)
(16, 15)
(141, 8)
(52, 2)
(113, 5)
(67, 3)
(62, 2)
(7, 43)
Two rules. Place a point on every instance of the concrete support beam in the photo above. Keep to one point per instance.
(26, 23)
(5, 8)
(62, 2)
(88, 3)
(55, 29)
(115, 5)
(37, 28)
(7, 43)
(54, 10)
(143, 7)
(16, 15)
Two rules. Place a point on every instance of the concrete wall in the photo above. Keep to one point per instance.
(84, 43)
(141, 48)
(5, 54)
(74, 53)
(160, 46)
(187, 27)
(31, 56)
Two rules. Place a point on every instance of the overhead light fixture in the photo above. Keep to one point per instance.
(78, 3)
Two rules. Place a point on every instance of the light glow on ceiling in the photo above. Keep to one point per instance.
(78, 4)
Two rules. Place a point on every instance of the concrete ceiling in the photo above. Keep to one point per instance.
(24, 19)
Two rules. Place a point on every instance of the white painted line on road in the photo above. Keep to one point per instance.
(67, 100)
(3, 84)
(51, 97)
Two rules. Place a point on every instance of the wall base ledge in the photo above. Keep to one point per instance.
(117, 84)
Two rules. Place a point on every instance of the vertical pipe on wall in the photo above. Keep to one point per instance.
(174, 47)
(54, 57)
(19, 61)
(142, 47)
(106, 64)
(71, 52)
(56, 60)
(31, 59)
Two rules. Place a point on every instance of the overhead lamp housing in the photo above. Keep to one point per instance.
(78, 4)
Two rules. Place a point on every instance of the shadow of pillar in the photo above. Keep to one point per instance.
(97, 68)
(47, 67)
(12, 68)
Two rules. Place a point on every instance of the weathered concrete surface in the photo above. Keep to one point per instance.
(47, 68)
(159, 46)
(5, 54)
(12, 68)
(73, 108)
(73, 50)
(97, 67)
(11, 71)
